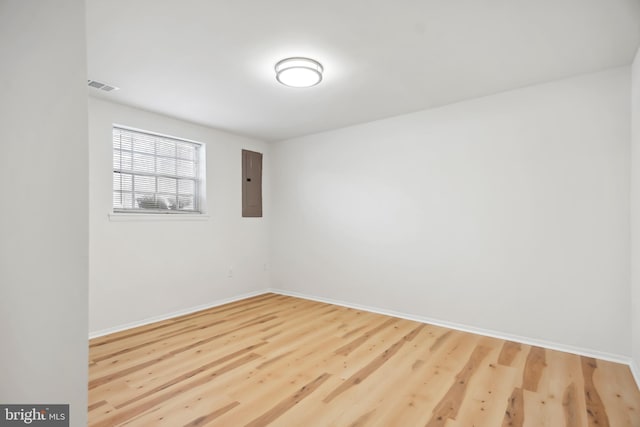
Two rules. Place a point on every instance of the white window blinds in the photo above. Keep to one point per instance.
(155, 174)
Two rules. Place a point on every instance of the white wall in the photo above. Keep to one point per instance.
(44, 205)
(635, 213)
(508, 213)
(143, 269)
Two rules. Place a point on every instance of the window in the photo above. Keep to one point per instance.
(155, 174)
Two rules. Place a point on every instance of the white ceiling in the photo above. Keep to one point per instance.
(211, 61)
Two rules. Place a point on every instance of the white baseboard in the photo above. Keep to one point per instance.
(178, 313)
(635, 370)
(466, 328)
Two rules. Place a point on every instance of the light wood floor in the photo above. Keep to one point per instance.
(282, 361)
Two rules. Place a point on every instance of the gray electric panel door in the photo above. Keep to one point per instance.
(251, 184)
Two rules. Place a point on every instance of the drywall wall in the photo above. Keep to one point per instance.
(44, 216)
(635, 213)
(148, 268)
(508, 213)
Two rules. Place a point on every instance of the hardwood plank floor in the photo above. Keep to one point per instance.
(283, 361)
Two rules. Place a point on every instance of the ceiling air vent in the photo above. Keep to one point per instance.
(102, 86)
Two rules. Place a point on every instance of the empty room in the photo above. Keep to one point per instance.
(342, 213)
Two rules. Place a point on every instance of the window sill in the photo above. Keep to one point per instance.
(120, 216)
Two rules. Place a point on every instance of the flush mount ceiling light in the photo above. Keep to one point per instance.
(299, 72)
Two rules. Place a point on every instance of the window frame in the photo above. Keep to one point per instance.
(199, 180)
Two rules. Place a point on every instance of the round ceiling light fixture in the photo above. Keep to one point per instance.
(299, 72)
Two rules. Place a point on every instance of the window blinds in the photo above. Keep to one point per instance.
(154, 174)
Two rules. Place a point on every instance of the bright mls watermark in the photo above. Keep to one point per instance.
(34, 415)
